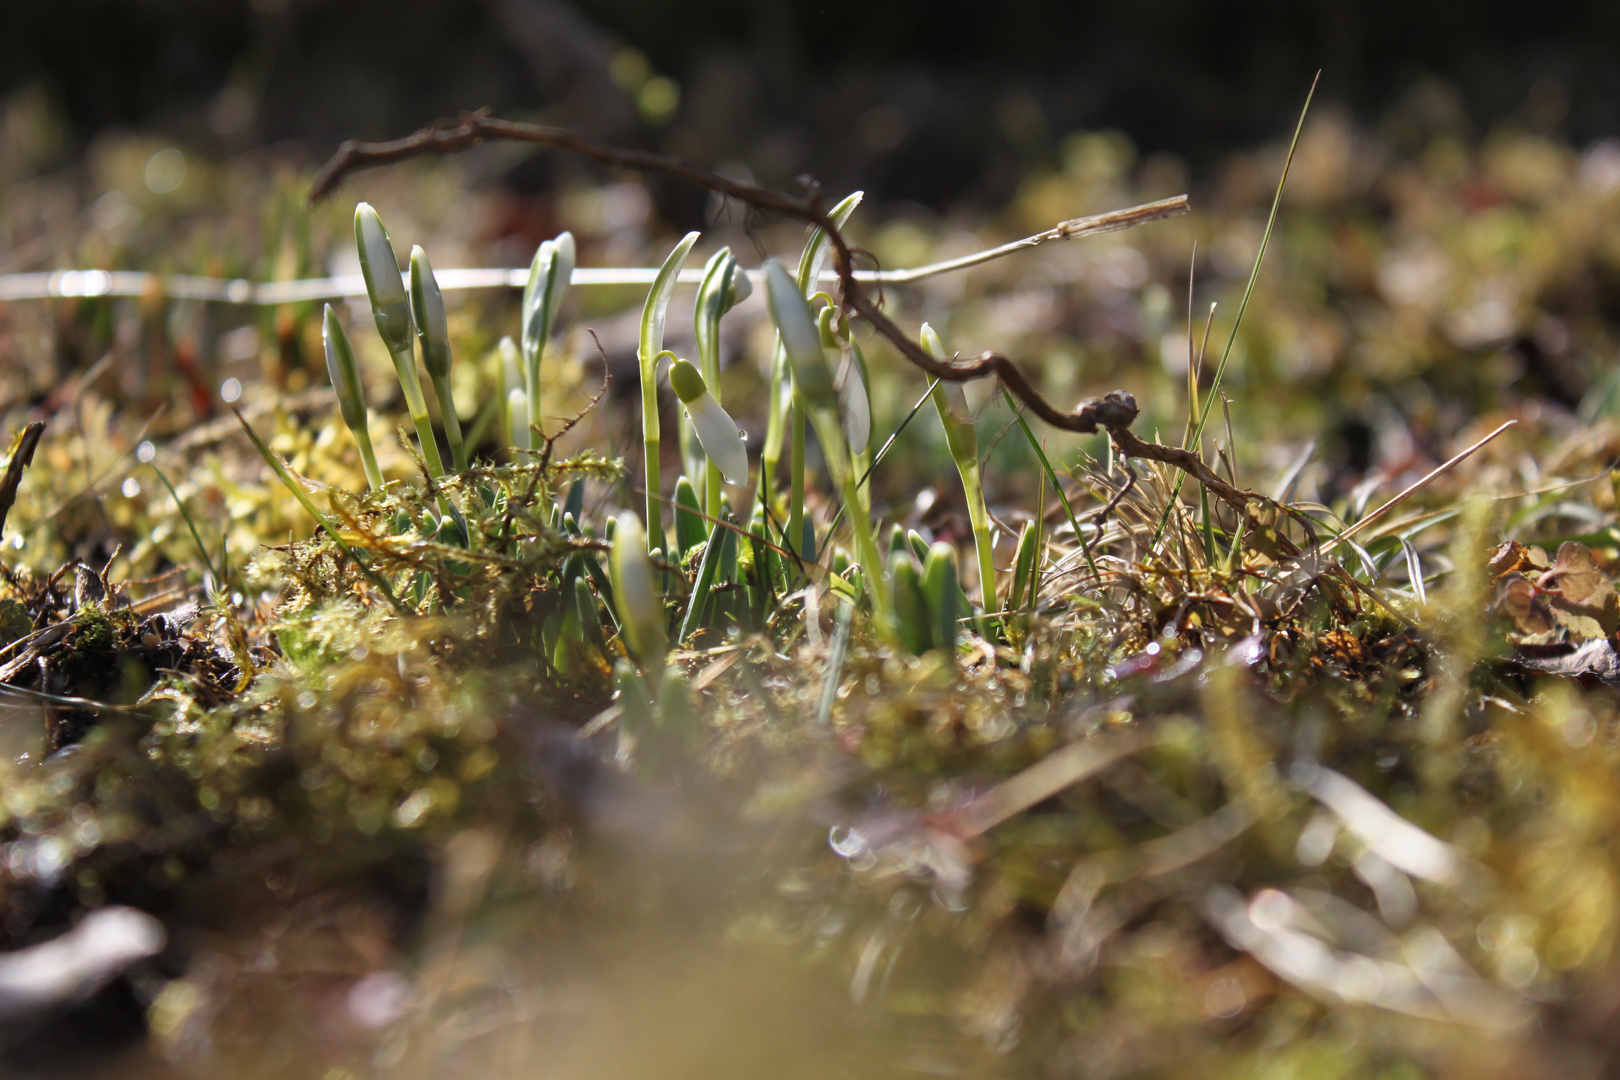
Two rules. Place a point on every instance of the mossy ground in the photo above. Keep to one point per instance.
(409, 839)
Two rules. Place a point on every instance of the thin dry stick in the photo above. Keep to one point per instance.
(1095, 225)
(1192, 371)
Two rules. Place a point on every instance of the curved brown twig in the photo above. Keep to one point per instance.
(1188, 462)
(1113, 412)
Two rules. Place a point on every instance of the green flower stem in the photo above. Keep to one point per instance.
(391, 308)
(724, 284)
(411, 383)
(809, 272)
(979, 517)
(433, 333)
(863, 468)
(711, 490)
(770, 456)
(796, 479)
(549, 276)
(712, 480)
(368, 458)
(813, 388)
(964, 445)
(835, 449)
(452, 422)
(651, 441)
(345, 373)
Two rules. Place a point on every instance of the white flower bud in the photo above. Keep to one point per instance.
(383, 279)
(517, 418)
(635, 591)
(344, 370)
(427, 308)
(800, 337)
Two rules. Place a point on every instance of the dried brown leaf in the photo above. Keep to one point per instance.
(1517, 599)
(1513, 557)
(1580, 594)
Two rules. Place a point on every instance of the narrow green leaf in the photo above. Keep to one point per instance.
(708, 571)
(1196, 442)
(585, 601)
(835, 663)
(1051, 478)
(1023, 565)
(689, 524)
(196, 537)
(963, 442)
(910, 605)
(942, 590)
(653, 315)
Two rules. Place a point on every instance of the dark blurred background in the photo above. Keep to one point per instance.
(934, 103)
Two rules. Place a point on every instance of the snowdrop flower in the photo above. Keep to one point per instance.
(801, 340)
(344, 370)
(635, 591)
(739, 288)
(549, 276)
(957, 420)
(517, 418)
(391, 308)
(716, 430)
(427, 310)
(427, 305)
(384, 283)
(854, 401)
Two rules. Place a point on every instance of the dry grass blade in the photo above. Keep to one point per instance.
(1094, 225)
(1419, 485)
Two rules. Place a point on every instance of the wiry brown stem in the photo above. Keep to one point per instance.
(1188, 462)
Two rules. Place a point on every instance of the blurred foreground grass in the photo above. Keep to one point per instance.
(1208, 808)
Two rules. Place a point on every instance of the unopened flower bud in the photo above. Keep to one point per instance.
(384, 283)
(635, 591)
(345, 373)
(801, 338)
(344, 370)
(716, 430)
(427, 306)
